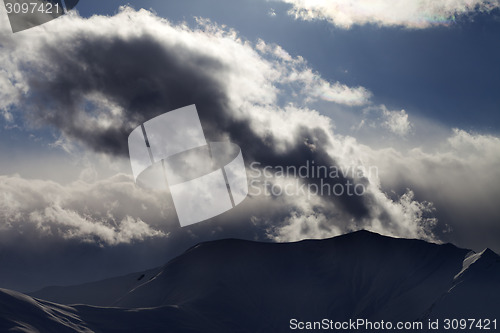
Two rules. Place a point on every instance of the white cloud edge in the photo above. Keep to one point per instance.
(413, 14)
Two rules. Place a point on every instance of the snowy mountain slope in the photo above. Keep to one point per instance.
(357, 275)
(242, 286)
(21, 313)
(475, 292)
(100, 293)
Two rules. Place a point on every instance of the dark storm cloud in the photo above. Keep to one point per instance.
(144, 79)
(138, 74)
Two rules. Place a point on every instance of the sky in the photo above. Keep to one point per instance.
(401, 97)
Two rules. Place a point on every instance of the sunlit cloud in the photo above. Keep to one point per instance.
(408, 13)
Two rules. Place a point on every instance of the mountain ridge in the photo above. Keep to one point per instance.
(60, 293)
(234, 285)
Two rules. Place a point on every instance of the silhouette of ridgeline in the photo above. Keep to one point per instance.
(242, 286)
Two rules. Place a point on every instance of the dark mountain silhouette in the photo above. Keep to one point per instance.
(242, 286)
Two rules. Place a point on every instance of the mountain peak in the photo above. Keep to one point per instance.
(237, 283)
(475, 259)
(490, 253)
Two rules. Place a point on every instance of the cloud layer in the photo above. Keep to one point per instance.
(98, 78)
(407, 13)
(96, 213)
(460, 176)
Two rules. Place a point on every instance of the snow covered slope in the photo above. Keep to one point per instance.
(475, 292)
(242, 286)
(360, 275)
(21, 313)
(100, 293)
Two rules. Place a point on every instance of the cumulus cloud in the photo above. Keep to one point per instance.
(459, 175)
(407, 13)
(402, 217)
(380, 117)
(295, 74)
(85, 212)
(9, 93)
(397, 122)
